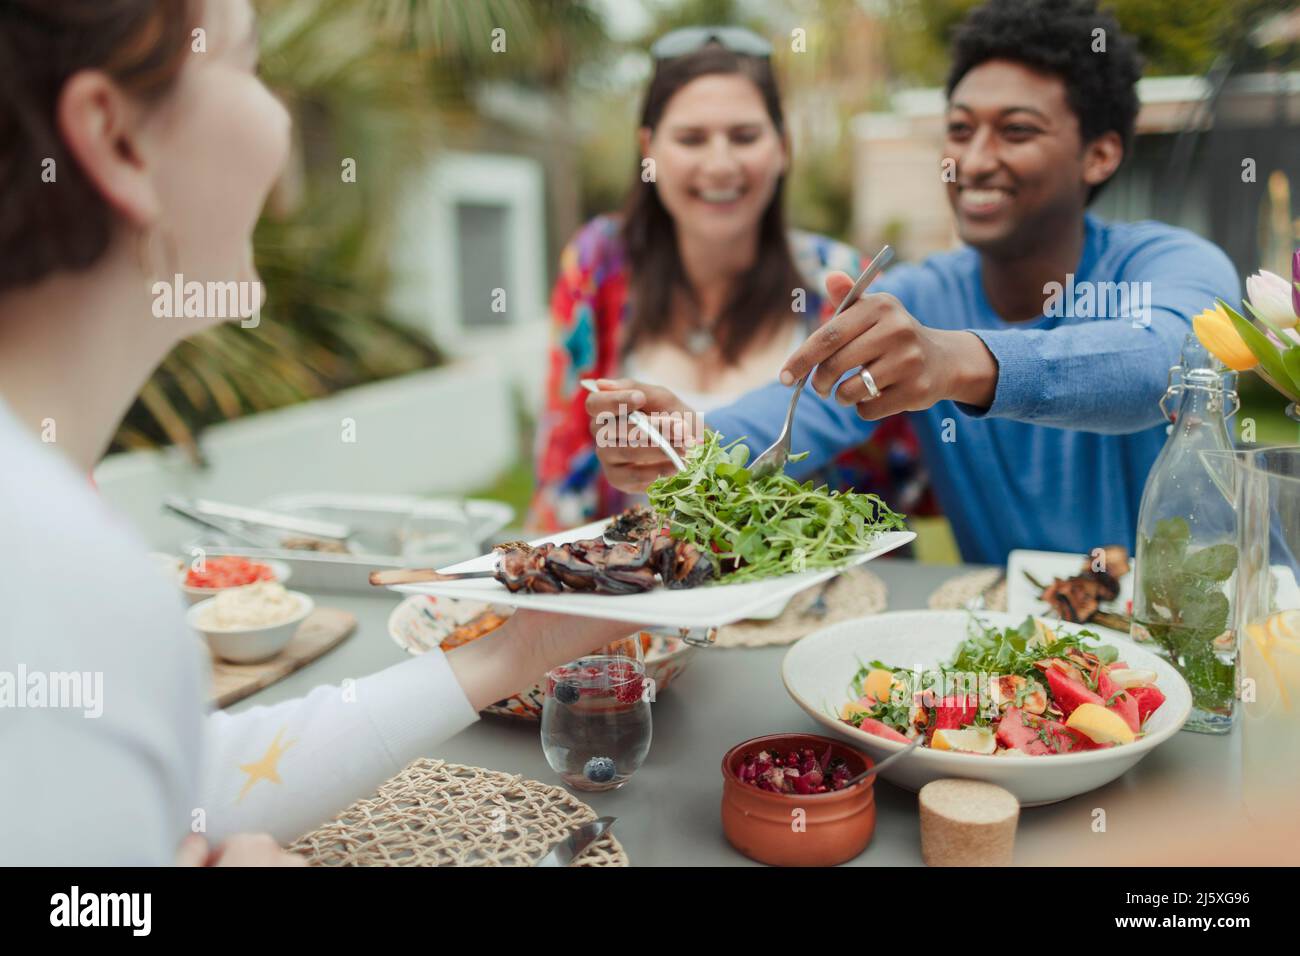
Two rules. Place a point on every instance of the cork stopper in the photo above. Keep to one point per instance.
(967, 823)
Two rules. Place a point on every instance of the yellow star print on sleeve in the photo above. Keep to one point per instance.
(287, 768)
(267, 767)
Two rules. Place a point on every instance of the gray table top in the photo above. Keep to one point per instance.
(668, 814)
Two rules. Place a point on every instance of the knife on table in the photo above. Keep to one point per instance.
(579, 838)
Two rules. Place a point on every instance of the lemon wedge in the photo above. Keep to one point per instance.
(1043, 635)
(971, 740)
(1100, 725)
(1278, 633)
(1284, 630)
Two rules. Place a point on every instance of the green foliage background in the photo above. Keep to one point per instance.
(389, 82)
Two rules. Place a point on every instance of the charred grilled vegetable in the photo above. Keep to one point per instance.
(634, 524)
(1074, 599)
(1114, 560)
(524, 569)
(681, 564)
(627, 569)
(575, 570)
(1078, 598)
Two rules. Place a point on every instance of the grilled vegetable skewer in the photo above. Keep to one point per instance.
(421, 575)
(625, 567)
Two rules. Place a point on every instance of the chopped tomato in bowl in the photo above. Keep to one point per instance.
(221, 572)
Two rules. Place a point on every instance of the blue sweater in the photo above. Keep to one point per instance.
(1058, 461)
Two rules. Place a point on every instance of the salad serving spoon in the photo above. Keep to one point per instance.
(886, 762)
(773, 460)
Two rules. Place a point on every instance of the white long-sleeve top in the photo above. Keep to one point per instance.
(108, 755)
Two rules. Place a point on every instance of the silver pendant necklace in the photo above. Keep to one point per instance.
(700, 342)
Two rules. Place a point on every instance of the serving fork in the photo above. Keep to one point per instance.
(774, 459)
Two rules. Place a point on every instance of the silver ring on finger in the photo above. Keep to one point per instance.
(873, 390)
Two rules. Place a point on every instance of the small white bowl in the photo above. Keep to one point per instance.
(252, 644)
(195, 595)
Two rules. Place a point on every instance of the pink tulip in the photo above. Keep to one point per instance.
(1295, 282)
(1270, 297)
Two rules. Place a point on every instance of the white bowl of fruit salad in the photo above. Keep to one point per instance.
(1047, 711)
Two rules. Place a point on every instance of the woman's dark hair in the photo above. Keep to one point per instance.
(763, 295)
(1059, 37)
(142, 44)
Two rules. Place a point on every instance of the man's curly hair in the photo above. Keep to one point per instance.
(1058, 36)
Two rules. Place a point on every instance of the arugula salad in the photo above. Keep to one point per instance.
(1017, 691)
(759, 527)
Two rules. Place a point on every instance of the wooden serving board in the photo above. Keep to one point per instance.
(325, 629)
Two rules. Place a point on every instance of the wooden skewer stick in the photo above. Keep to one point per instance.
(421, 575)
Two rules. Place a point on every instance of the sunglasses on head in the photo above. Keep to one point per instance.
(736, 40)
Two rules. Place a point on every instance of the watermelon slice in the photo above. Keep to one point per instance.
(880, 729)
(1018, 730)
(1070, 693)
(953, 713)
(1119, 700)
(1149, 699)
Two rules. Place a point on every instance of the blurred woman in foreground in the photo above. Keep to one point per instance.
(129, 155)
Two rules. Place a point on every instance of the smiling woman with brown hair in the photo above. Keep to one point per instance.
(699, 283)
(130, 152)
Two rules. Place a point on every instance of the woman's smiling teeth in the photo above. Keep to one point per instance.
(982, 200)
(720, 196)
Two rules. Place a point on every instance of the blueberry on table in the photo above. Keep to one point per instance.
(599, 769)
(567, 692)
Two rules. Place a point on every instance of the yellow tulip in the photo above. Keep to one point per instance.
(1214, 329)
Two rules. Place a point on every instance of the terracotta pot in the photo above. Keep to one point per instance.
(834, 827)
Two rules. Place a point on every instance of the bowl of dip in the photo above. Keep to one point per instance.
(222, 572)
(253, 623)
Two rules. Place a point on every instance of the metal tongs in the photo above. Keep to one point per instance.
(241, 523)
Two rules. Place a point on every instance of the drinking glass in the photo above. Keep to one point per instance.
(1266, 482)
(596, 716)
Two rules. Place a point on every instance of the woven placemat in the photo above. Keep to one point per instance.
(436, 813)
(955, 594)
(855, 593)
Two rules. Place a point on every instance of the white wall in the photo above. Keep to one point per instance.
(425, 294)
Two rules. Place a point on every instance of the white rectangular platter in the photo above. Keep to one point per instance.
(702, 607)
(1022, 597)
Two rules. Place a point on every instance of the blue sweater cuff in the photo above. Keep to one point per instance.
(1019, 393)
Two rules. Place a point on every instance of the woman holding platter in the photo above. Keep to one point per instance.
(128, 158)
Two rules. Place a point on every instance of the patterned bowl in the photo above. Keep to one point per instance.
(423, 622)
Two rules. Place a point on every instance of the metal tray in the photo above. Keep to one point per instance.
(389, 531)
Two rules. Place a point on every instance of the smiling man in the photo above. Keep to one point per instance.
(1031, 360)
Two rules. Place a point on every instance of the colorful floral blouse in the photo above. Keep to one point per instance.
(589, 308)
